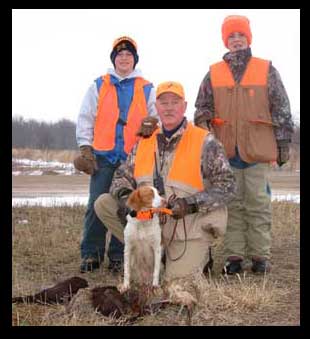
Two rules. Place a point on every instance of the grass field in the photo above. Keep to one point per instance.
(46, 250)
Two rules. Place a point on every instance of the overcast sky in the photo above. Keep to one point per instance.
(58, 53)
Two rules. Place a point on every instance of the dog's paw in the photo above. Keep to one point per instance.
(156, 290)
(155, 286)
(122, 288)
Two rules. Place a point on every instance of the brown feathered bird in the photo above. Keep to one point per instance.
(108, 301)
(61, 292)
(133, 304)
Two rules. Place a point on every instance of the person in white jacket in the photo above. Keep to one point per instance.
(117, 108)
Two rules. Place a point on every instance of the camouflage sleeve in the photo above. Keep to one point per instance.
(279, 106)
(123, 179)
(204, 103)
(220, 183)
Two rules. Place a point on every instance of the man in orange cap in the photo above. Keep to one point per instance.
(243, 100)
(117, 108)
(189, 168)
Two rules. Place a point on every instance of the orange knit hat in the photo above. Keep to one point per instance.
(236, 23)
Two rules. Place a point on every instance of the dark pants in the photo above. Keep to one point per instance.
(94, 234)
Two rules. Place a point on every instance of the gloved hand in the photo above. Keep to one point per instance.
(180, 208)
(123, 209)
(283, 154)
(86, 161)
(148, 126)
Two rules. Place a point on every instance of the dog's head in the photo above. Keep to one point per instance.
(145, 197)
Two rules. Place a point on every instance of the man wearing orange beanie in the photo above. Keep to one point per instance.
(243, 101)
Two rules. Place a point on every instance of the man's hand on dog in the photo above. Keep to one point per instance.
(180, 208)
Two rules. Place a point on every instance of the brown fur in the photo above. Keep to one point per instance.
(132, 304)
(61, 292)
(142, 197)
(107, 300)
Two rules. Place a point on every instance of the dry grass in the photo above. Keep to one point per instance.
(65, 156)
(46, 250)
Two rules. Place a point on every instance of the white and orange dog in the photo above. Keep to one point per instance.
(142, 237)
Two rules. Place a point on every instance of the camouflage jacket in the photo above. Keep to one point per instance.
(215, 170)
(279, 104)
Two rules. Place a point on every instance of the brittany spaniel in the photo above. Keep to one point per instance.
(142, 237)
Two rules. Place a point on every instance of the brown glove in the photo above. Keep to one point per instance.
(148, 126)
(283, 154)
(86, 161)
(180, 208)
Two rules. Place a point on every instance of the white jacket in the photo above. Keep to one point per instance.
(87, 115)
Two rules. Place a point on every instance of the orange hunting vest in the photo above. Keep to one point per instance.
(108, 114)
(242, 115)
(185, 169)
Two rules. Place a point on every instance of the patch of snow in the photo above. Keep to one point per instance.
(287, 197)
(35, 172)
(16, 173)
(41, 163)
(55, 166)
(25, 221)
(65, 172)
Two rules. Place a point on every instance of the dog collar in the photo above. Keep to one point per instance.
(148, 214)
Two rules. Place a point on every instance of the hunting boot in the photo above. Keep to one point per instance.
(260, 265)
(233, 265)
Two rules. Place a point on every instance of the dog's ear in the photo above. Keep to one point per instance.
(134, 200)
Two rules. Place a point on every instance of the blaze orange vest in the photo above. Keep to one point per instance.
(242, 115)
(185, 168)
(108, 114)
(256, 74)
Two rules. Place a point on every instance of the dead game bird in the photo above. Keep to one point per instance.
(60, 293)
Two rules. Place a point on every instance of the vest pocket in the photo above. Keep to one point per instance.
(224, 132)
(260, 141)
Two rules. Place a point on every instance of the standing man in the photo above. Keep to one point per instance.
(243, 100)
(197, 182)
(117, 108)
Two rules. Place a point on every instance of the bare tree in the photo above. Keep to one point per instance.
(43, 135)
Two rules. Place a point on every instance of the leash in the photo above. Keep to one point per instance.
(209, 265)
(163, 212)
(170, 241)
(171, 198)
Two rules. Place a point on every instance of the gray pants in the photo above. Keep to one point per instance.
(249, 215)
(196, 254)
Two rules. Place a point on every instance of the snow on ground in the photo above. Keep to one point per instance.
(287, 197)
(25, 167)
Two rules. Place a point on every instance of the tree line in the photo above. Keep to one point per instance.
(61, 134)
(43, 135)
